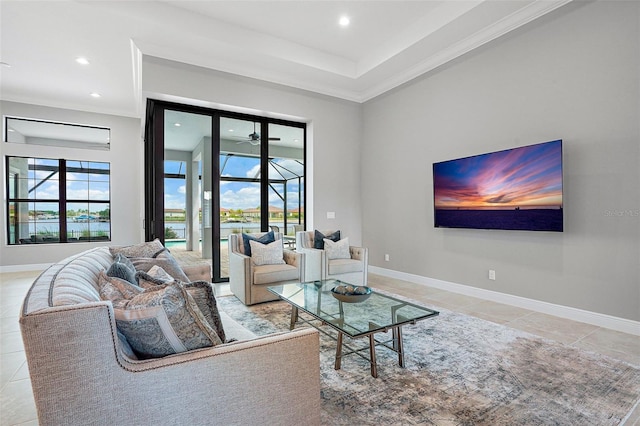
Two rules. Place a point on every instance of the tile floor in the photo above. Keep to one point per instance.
(16, 400)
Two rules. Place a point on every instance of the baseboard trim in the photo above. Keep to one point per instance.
(24, 268)
(575, 314)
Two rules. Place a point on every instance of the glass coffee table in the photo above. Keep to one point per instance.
(379, 313)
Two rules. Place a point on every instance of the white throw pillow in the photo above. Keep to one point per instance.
(266, 254)
(337, 250)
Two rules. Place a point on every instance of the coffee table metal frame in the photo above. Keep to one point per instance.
(337, 322)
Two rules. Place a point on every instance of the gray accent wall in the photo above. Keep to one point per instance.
(334, 138)
(572, 75)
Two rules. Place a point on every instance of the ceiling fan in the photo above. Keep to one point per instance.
(254, 138)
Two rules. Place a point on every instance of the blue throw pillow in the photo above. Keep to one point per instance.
(318, 239)
(267, 238)
(123, 268)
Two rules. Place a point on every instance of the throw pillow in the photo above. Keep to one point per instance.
(201, 292)
(163, 321)
(153, 277)
(148, 249)
(165, 260)
(318, 238)
(267, 238)
(337, 250)
(267, 254)
(122, 268)
(116, 289)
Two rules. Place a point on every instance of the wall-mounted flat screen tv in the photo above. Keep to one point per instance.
(514, 189)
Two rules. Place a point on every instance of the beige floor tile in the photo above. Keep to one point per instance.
(551, 327)
(495, 312)
(11, 342)
(453, 301)
(634, 417)
(10, 364)
(613, 343)
(9, 324)
(16, 403)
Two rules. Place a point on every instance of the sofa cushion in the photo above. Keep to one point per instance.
(337, 250)
(344, 266)
(267, 238)
(318, 238)
(266, 254)
(267, 274)
(160, 321)
(122, 268)
(147, 249)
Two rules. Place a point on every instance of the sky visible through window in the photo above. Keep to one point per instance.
(239, 195)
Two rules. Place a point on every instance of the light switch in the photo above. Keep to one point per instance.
(331, 215)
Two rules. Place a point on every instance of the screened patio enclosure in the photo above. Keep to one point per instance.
(205, 179)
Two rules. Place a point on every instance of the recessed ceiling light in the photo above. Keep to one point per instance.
(231, 130)
(177, 124)
(95, 95)
(82, 60)
(344, 21)
(4, 64)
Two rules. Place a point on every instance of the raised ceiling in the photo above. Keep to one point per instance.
(296, 43)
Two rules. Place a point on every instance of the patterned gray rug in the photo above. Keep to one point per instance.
(462, 370)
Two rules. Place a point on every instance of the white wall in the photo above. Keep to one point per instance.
(333, 132)
(574, 76)
(125, 157)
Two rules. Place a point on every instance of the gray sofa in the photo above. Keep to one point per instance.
(80, 374)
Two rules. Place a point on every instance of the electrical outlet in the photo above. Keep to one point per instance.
(492, 274)
(331, 215)
(386, 257)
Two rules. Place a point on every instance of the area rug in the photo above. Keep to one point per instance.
(461, 370)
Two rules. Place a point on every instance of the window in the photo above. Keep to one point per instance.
(39, 132)
(57, 201)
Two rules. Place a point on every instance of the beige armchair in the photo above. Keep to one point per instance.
(249, 282)
(319, 266)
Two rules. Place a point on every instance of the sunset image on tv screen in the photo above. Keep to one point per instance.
(519, 189)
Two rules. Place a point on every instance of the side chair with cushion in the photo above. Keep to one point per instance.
(257, 261)
(327, 255)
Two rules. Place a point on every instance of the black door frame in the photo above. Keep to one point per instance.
(154, 169)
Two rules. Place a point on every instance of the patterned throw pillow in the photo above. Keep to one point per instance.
(165, 260)
(162, 321)
(116, 289)
(267, 238)
(337, 250)
(148, 249)
(201, 291)
(267, 254)
(318, 238)
(153, 277)
(122, 268)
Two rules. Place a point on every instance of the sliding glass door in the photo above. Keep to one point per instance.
(204, 179)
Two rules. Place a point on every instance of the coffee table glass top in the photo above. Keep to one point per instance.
(377, 313)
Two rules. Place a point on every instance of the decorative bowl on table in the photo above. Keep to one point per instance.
(351, 293)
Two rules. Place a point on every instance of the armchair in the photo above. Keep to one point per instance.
(249, 282)
(319, 266)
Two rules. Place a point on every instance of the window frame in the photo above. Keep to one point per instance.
(62, 201)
